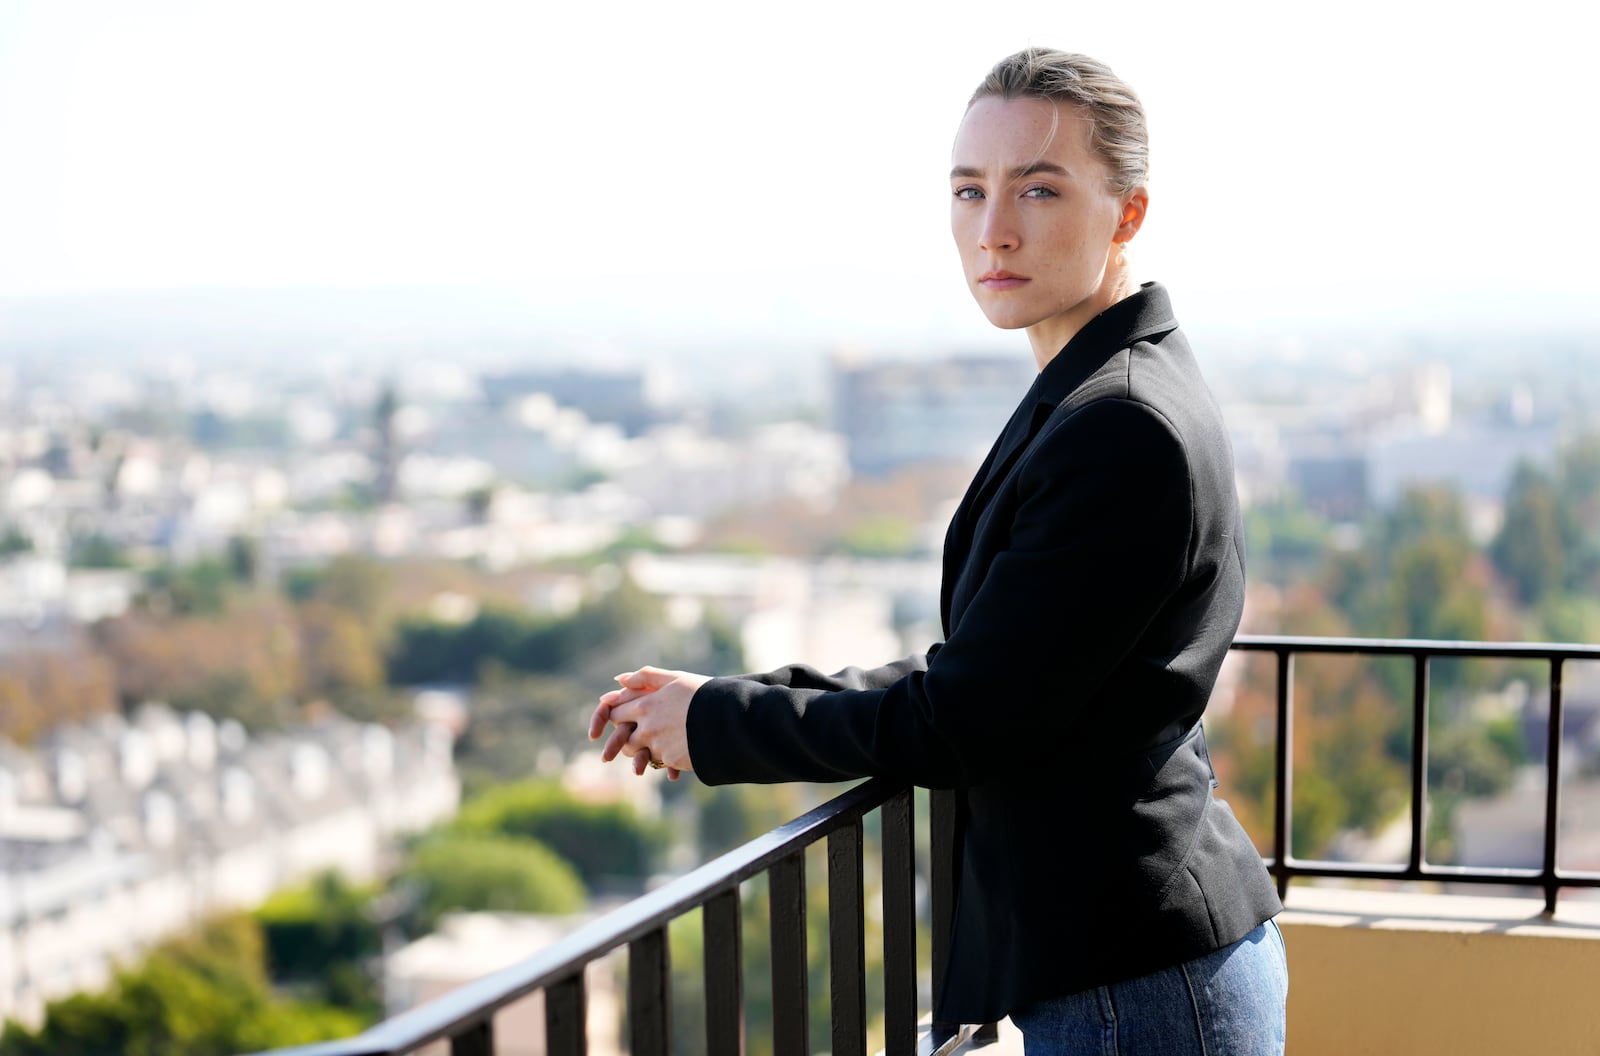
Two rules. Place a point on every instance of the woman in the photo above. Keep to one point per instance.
(1093, 581)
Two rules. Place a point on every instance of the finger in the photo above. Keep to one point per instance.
(646, 678)
(614, 744)
(641, 762)
(673, 773)
(629, 711)
(597, 723)
(623, 696)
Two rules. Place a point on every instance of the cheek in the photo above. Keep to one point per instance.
(958, 227)
(1076, 248)
(961, 234)
(1065, 233)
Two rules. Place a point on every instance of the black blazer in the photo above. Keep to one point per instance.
(1093, 580)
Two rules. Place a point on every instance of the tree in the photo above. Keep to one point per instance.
(606, 842)
(473, 871)
(45, 688)
(1569, 618)
(358, 585)
(204, 994)
(881, 536)
(727, 816)
(96, 551)
(1579, 491)
(519, 721)
(242, 663)
(200, 589)
(1286, 538)
(1466, 760)
(430, 650)
(21, 719)
(1422, 577)
(1530, 547)
(322, 934)
(341, 660)
(1424, 512)
(244, 559)
(14, 541)
(1434, 594)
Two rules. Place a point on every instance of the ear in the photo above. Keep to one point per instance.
(1134, 206)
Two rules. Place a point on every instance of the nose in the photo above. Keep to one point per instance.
(999, 230)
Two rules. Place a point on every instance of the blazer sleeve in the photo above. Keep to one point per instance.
(803, 676)
(1098, 542)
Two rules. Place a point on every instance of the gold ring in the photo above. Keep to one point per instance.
(656, 764)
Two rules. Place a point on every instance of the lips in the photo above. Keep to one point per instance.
(1001, 280)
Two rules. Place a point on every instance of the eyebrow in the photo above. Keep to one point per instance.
(1030, 169)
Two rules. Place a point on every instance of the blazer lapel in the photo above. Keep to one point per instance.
(1013, 440)
(1022, 428)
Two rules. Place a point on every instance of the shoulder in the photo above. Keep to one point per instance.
(1153, 385)
(1158, 370)
(1113, 426)
(1116, 455)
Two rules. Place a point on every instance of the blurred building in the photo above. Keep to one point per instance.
(1332, 480)
(618, 397)
(828, 614)
(1476, 458)
(116, 834)
(893, 414)
(683, 471)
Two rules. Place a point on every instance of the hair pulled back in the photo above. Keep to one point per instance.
(1116, 117)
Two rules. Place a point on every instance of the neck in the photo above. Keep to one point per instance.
(1049, 336)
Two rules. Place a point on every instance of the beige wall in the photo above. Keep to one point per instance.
(1420, 975)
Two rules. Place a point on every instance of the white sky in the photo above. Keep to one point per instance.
(712, 162)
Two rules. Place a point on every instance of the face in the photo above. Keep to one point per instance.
(1037, 220)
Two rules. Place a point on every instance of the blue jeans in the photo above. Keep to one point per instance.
(1227, 1003)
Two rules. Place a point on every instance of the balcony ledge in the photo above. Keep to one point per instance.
(1385, 972)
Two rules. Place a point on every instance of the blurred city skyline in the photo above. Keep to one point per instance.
(655, 175)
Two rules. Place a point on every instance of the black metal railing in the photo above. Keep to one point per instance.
(465, 1016)
(1285, 866)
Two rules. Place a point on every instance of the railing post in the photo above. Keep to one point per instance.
(942, 884)
(566, 1017)
(791, 1029)
(847, 944)
(1419, 764)
(649, 998)
(1282, 807)
(476, 1040)
(899, 925)
(1552, 791)
(724, 974)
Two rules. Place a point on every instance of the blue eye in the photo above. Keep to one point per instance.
(968, 194)
(1039, 192)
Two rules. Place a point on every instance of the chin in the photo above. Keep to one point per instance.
(1004, 320)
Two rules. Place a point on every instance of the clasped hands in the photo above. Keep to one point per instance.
(650, 712)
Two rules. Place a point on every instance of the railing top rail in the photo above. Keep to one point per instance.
(471, 1003)
(1283, 643)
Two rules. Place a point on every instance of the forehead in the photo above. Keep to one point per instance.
(1008, 132)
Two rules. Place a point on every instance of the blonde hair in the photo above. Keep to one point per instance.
(1116, 117)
